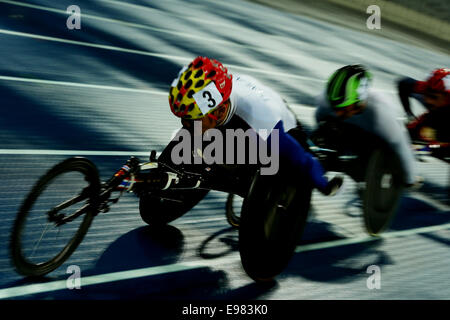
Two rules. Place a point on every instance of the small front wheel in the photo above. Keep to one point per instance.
(55, 217)
(233, 208)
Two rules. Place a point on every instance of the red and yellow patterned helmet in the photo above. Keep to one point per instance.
(200, 88)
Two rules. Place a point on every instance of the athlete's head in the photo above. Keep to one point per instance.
(201, 92)
(347, 90)
(437, 88)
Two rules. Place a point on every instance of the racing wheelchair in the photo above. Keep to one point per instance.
(70, 195)
(370, 162)
(366, 159)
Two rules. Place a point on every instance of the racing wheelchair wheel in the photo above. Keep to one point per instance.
(272, 221)
(233, 215)
(41, 238)
(160, 208)
(384, 186)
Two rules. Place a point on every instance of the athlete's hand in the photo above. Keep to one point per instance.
(334, 185)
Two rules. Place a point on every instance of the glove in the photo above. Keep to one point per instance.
(333, 186)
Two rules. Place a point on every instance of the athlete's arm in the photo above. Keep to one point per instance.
(298, 159)
(405, 91)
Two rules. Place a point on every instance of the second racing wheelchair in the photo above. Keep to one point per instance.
(346, 148)
(370, 162)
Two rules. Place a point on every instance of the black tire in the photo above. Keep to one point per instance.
(348, 140)
(384, 187)
(90, 176)
(160, 208)
(233, 218)
(272, 221)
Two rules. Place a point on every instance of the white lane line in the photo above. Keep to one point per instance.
(147, 53)
(72, 152)
(430, 200)
(144, 272)
(98, 279)
(82, 85)
(116, 21)
(92, 45)
(104, 87)
(387, 235)
(147, 27)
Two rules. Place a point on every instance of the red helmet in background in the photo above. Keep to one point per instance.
(439, 81)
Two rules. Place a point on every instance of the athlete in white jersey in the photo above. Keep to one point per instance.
(348, 98)
(260, 106)
(205, 91)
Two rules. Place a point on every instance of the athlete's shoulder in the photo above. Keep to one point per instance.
(382, 107)
(242, 78)
(378, 99)
(410, 85)
(248, 90)
(244, 82)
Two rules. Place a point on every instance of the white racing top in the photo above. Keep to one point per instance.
(258, 105)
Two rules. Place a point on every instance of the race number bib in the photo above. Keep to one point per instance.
(208, 98)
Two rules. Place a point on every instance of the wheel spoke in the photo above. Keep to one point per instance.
(39, 241)
(57, 233)
(76, 214)
(83, 195)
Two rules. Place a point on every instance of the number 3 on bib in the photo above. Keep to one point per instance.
(207, 94)
(208, 98)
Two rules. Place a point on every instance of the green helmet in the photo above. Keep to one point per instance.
(348, 85)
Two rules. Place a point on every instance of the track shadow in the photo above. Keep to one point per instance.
(141, 248)
(317, 231)
(31, 121)
(439, 239)
(354, 207)
(250, 291)
(138, 249)
(196, 283)
(414, 213)
(158, 71)
(226, 239)
(338, 264)
(437, 192)
(343, 264)
(147, 247)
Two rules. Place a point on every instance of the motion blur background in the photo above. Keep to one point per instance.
(412, 21)
(101, 92)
